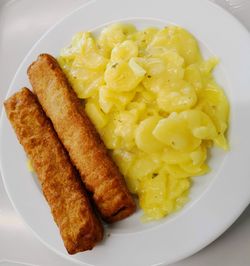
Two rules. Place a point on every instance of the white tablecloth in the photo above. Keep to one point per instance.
(21, 24)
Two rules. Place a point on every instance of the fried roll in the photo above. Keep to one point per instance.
(86, 149)
(79, 227)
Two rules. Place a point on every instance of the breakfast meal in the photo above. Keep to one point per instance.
(123, 112)
(156, 105)
(99, 173)
(79, 227)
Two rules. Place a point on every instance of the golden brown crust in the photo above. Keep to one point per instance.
(87, 151)
(79, 227)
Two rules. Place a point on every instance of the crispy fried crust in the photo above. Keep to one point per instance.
(79, 227)
(87, 151)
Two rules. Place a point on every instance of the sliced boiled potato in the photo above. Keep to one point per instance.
(124, 51)
(92, 60)
(221, 142)
(96, 115)
(214, 103)
(110, 37)
(206, 67)
(123, 159)
(155, 103)
(120, 77)
(138, 109)
(194, 77)
(179, 40)
(143, 166)
(104, 99)
(177, 187)
(109, 98)
(172, 156)
(136, 68)
(200, 124)
(179, 98)
(174, 132)
(87, 88)
(199, 155)
(176, 171)
(143, 38)
(125, 126)
(144, 138)
(153, 197)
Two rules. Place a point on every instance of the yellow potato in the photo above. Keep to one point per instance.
(200, 124)
(143, 38)
(195, 165)
(206, 67)
(154, 197)
(120, 77)
(194, 77)
(180, 40)
(141, 168)
(81, 43)
(125, 125)
(174, 132)
(221, 142)
(138, 109)
(162, 71)
(180, 97)
(176, 171)
(155, 103)
(173, 63)
(96, 115)
(111, 141)
(144, 138)
(92, 60)
(124, 51)
(110, 37)
(123, 159)
(214, 103)
(172, 156)
(86, 87)
(177, 187)
(144, 96)
(199, 155)
(109, 98)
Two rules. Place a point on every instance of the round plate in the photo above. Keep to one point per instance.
(216, 199)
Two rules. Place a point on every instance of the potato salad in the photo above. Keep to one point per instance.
(156, 105)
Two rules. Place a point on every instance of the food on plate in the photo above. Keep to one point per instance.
(79, 227)
(155, 103)
(98, 171)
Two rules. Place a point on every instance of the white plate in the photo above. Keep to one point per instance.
(217, 199)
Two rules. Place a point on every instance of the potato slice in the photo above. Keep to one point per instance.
(120, 77)
(96, 115)
(144, 138)
(200, 124)
(124, 51)
(154, 197)
(178, 98)
(174, 132)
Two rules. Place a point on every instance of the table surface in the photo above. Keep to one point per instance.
(22, 22)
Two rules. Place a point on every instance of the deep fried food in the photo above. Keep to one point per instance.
(87, 151)
(79, 227)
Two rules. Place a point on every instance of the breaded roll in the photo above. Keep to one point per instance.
(77, 133)
(79, 227)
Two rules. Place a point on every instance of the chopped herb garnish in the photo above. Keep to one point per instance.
(114, 65)
(154, 175)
